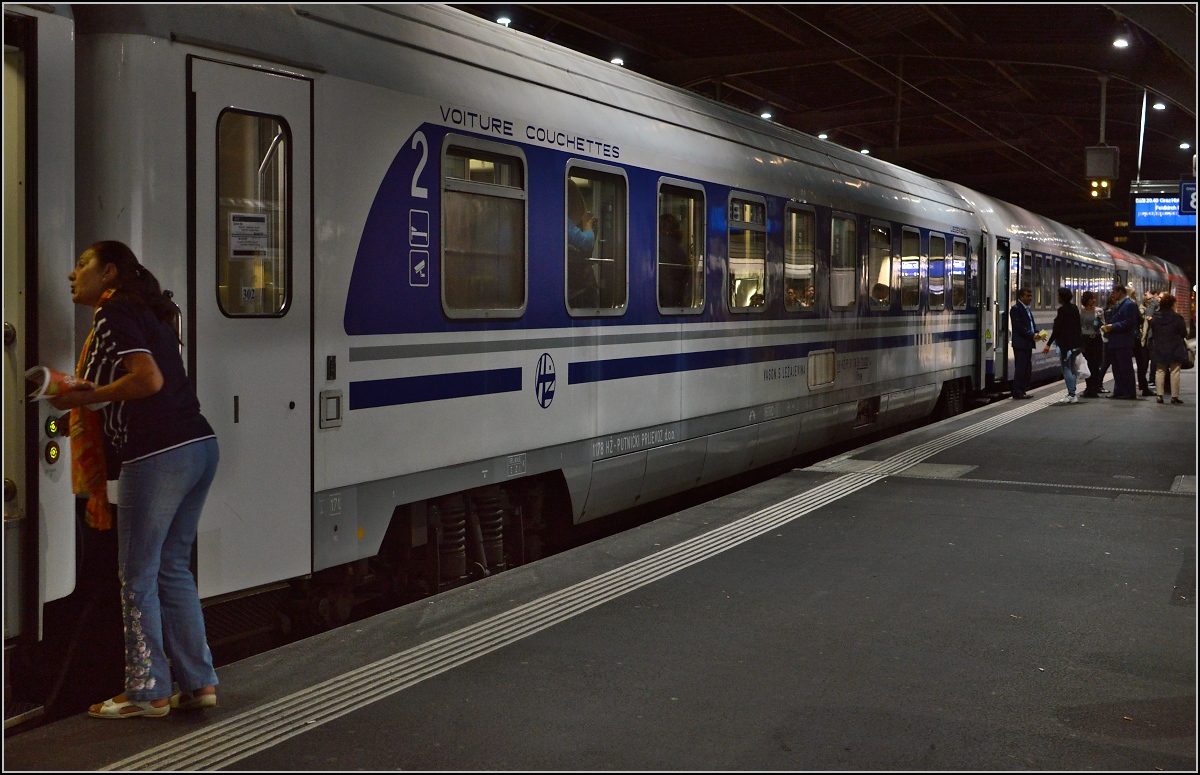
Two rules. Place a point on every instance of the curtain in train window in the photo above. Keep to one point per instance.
(1048, 291)
(253, 214)
(747, 254)
(958, 276)
(910, 269)
(843, 258)
(483, 211)
(596, 264)
(879, 267)
(799, 260)
(680, 248)
(937, 272)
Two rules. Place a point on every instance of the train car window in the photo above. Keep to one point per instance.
(253, 214)
(910, 269)
(958, 275)
(747, 253)
(799, 260)
(1038, 275)
(483, 230)
(596, 218)
(680, 249)
(879, 267)
(1027, 273)
(937, 272)
(1058, 282)
(843, 261)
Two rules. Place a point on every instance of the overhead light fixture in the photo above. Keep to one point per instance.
(765, 115)
(1159, 105)
(1121, 42)
(1123, 36)
(1185, 146)
(866, 151)
(617, 61)
(504, 21)
(822, 136)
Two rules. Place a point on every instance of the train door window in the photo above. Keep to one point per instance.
(843, 262)
(879, 267)
(680, 248)
(910, 269)
(483, 229)
(1037, 280)
(1027, 273)
(253, 214)
(597, 276)
(1048, 291)
(958, 275)
(747, 252)
(1058, 282)
(799, 260)
(937, 272)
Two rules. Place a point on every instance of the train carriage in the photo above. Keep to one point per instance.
(417, 363)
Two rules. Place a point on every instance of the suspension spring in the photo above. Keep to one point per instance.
(452, 547)
(489, 507)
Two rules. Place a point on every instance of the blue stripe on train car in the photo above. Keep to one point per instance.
(582, 372)
(433, 387)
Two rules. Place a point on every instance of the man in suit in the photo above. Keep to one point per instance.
(1020, 320)
(1121, 330)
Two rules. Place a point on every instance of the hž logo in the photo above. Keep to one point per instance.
(543, 385)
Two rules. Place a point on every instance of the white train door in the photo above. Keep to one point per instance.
(252, 295)
(1000, 371)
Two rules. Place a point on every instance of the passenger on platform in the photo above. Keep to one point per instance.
(1090, 320)
(1069, 337)
(1170, 346)
(1024, 335)
(583, 290)
(166, 455)
(1141, 356)
(1121, 330)
(1151, 307)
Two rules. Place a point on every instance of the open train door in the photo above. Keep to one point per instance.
(39, 252)
(1000, 317)
(250, 298)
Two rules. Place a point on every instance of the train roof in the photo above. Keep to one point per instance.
(309, 37)
(1005, 219)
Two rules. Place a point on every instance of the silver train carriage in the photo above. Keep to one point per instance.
(413, 352)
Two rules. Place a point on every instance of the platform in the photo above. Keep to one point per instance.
(1013, 588)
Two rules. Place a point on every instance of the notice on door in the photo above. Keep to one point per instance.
(247, 235)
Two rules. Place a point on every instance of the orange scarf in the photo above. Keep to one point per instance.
(89, 474)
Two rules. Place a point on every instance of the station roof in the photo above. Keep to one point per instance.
(1003, 98)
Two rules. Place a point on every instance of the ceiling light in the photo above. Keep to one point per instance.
(1121, 42)
(617, 61)
(1124, 34)
(1185, 146)
(1095, 193)
(866, 151)
(1159, 106)
(822, 136)
(765, 115)
(504, 21)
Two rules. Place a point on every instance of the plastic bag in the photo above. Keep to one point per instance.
(1081, 367)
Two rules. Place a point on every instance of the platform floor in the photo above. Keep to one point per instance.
(1013, 588)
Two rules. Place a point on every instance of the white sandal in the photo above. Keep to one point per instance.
(194, 701)
(112, 709)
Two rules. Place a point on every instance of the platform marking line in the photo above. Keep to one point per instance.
(1169, 493)
(226, 742)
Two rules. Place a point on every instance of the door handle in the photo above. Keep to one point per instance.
(10, 333)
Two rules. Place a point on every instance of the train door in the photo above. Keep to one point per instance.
(1000, 314)
(39, 251)
(983, 281)
(251, 290)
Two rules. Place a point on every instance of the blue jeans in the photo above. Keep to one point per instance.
(1068, 369)
(161, 497)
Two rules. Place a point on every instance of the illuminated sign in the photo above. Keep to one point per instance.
(910, 268)
(1160, 212)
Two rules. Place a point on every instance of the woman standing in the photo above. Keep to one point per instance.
(1070, 340)
(166, 453)
(1091, 318)
(1168, 336)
